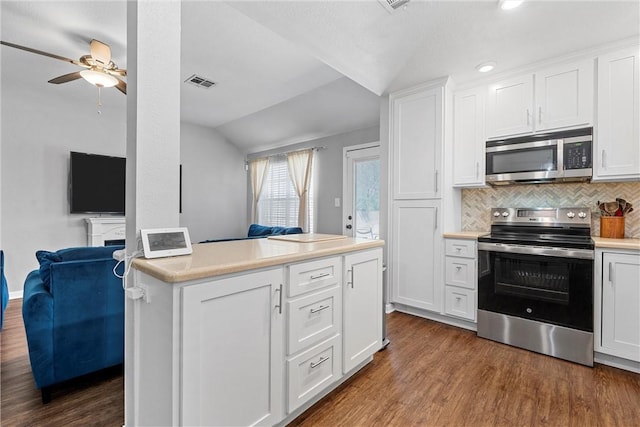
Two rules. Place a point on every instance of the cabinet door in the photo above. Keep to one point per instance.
(416, 250)
(468, 138)
(564, 96)
(509, 105)
(243, 384)
(416, 122)
(617, 143)
(362, 315)
(621, 305)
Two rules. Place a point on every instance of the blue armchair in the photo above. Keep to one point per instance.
(257, 231)
(5, 289)
(73, 311)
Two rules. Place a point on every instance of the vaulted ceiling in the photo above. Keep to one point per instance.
(291, 71)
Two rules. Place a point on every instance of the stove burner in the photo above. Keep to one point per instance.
(551, 227)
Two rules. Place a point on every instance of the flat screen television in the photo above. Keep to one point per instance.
(97, 183)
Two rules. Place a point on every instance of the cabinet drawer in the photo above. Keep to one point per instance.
(460, 247)
(312, 318)
(460, 272)
(310, 372)
(460, 302)
(307, 276)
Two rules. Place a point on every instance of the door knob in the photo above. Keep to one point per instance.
(348, 226)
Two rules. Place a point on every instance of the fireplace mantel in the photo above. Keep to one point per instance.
(105, 229)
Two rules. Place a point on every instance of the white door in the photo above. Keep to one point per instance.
(361, 191)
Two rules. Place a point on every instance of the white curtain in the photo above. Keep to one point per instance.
(258, 168)
(300, 171)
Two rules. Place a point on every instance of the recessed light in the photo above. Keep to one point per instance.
(485, 67)
(509, 4)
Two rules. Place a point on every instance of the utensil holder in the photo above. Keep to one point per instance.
(612, 227)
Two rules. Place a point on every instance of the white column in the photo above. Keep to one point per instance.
(153, 144)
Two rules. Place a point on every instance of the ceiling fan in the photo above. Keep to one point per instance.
(99, 69)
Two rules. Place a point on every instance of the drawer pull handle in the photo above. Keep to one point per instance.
(458, 268)
(320, 276)
(458, 249)
(322, 307)
(319, 362)
(279, 305)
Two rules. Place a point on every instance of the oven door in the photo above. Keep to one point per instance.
(550, 285)
(528, 161)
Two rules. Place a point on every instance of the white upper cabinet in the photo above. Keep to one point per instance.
(563, 99)
(617, 143)
(564, 96)
(509, 105)
(468, 138)
(417, 140)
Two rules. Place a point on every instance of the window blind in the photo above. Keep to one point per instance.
(278, 205)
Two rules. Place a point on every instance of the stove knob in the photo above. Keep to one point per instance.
(505, 214)
(582, 214)
(571, 214)
(496, 214)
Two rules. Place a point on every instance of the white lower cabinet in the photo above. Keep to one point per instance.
(232, 351)
(416, 255)
(312, 370)
(618, 303)
(255, 347)
(362, 320)
(333, 326)
(460, 299)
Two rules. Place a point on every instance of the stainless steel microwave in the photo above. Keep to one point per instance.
(551, 157)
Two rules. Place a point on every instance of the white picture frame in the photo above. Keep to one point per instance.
(165, 242)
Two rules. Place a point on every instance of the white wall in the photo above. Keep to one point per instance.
(328, 173)
(214, 190)
(38, 132)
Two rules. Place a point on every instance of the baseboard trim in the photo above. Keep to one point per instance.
(16, 294)
(617, 362)
(436, 317)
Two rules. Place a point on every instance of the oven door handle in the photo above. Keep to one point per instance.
(536, 250)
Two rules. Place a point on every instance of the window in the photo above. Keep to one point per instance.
(278, 204)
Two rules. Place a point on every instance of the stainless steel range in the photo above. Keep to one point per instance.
(535, 281)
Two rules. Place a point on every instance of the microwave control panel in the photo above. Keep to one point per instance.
(577, 155)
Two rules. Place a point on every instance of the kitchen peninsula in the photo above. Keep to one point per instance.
(254, 331)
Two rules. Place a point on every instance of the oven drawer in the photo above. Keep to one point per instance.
(312, 371)
(460, 272)
(460, 302)
(307, 276)
(313, 317)
(460, 247)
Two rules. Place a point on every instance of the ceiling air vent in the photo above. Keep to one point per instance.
(200, 81)
(391, 5)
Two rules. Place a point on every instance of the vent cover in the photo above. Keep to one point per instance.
(391, 5)
(200, 81)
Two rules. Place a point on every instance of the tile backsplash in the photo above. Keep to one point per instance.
(477, 202)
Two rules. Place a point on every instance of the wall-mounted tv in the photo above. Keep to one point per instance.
(97, 183)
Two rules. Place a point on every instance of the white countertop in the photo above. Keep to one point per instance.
(469, 235)
(218, 258)
(602, 242)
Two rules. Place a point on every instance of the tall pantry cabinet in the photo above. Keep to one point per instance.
(415, 197)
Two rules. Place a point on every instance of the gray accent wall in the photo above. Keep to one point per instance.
(328, 173)
(213, 185)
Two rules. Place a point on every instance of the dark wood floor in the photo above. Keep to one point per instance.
(430, 375)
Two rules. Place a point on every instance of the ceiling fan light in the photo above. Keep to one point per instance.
(98, 78)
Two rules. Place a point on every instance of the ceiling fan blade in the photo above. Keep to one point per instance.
(100, 52)
(116, 72)
(122, 86)
(39, 52)
(66, 78)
